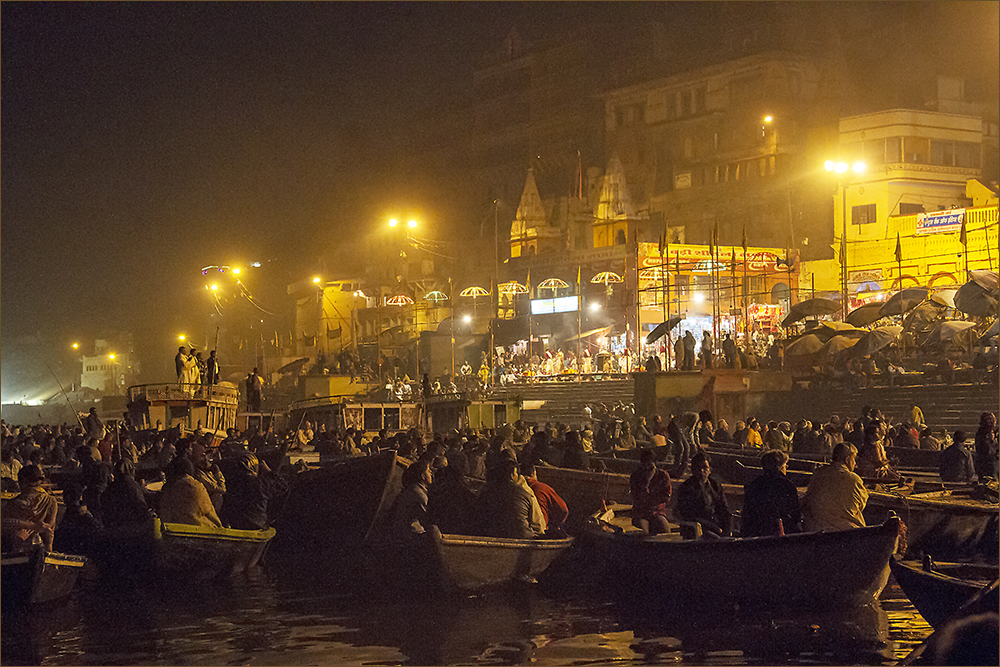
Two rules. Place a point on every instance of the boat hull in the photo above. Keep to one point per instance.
(827, 569)
(944, 524)
(207, 552)
(39, 577)
(936, 595)
(334, 508)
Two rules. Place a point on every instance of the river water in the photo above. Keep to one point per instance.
(302, 614)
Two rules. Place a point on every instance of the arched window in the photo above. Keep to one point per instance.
(620, 237)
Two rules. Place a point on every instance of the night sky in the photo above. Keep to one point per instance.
(143, 141)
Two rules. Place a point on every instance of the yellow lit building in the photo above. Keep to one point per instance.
(919, 185)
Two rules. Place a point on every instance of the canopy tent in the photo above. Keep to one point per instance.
(809, 308)
(875, 340)
(865, 315)
(903, 301)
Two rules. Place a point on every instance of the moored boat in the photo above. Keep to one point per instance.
(336, 506)
(207, 551)
(938, 590)
(444, 563)
(38, 576)
(951, 524)
(826, 569)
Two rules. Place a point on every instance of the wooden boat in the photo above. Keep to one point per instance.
(192, 408)
(952, 524)
(38, 576)
(206, 551)
(158, 549)
(468, 563)
(826, 569)
(335, 507)
(938, 590)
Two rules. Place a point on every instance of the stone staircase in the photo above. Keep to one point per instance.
(565, 401)
(952, 407)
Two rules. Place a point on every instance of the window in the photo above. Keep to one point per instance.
(716, 141)
(688, 148)
(699, 100)
(943, 153)
(686, 103)
(863, 215)
(910, 209)
(967, 154)
(873, 151)
(620, 237)
(893, 150)
(916, 150)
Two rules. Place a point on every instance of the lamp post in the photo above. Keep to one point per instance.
(847, 174)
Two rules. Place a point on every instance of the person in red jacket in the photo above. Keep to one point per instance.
(553, 507)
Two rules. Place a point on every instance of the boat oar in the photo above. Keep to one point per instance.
(77, 414)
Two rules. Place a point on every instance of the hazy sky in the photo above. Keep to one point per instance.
(142, 141)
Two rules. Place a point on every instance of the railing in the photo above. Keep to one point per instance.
(184, 392)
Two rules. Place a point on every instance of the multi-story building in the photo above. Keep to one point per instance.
(112, 368)
(732, 145)
(922, 185)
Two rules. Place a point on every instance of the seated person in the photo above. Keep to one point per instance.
(184, 499)
(836, 497)
(770, 499)
(124, 502)
(79, 530)
(30, 518)
(450, 501)
(247, 492)
(409, 516)
(504, 507)
(553, 507)
(956, 463)
(650, 489)
(700, 499)
(722, 434)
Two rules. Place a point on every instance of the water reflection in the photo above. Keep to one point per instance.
(294, 615)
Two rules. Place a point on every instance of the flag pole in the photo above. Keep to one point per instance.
(745, 288)
(579, 318)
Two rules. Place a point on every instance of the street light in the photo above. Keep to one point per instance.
(412, 224)
(843, 169)
(393, 222)
(76, 346)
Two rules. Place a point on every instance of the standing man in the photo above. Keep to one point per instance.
(211, 369)
(254, 386)
(679, 353)
(94, 426)
(179, 361)
(707, 348)
(689, 343)
(729, 349)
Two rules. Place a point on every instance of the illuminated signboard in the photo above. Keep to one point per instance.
(562, 304)
(940, 221)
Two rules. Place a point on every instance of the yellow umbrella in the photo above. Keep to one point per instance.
(512, 287)
(808, 344)
(836, 345)
(474, 292)
(553, 284)
(398, 300)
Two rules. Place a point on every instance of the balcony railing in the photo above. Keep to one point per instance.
(184, 392)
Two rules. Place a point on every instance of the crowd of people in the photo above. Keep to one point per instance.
(105, 473)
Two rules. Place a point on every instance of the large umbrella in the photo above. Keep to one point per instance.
(661, 329)
(903, 301)
(988, 280)
(973, 298)
(865, 315)
(827, 330)
(808, 344)
(920, 317)
(876, 339)
(837, 344)
(945, 297)
(810, 307)
(946, 331)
